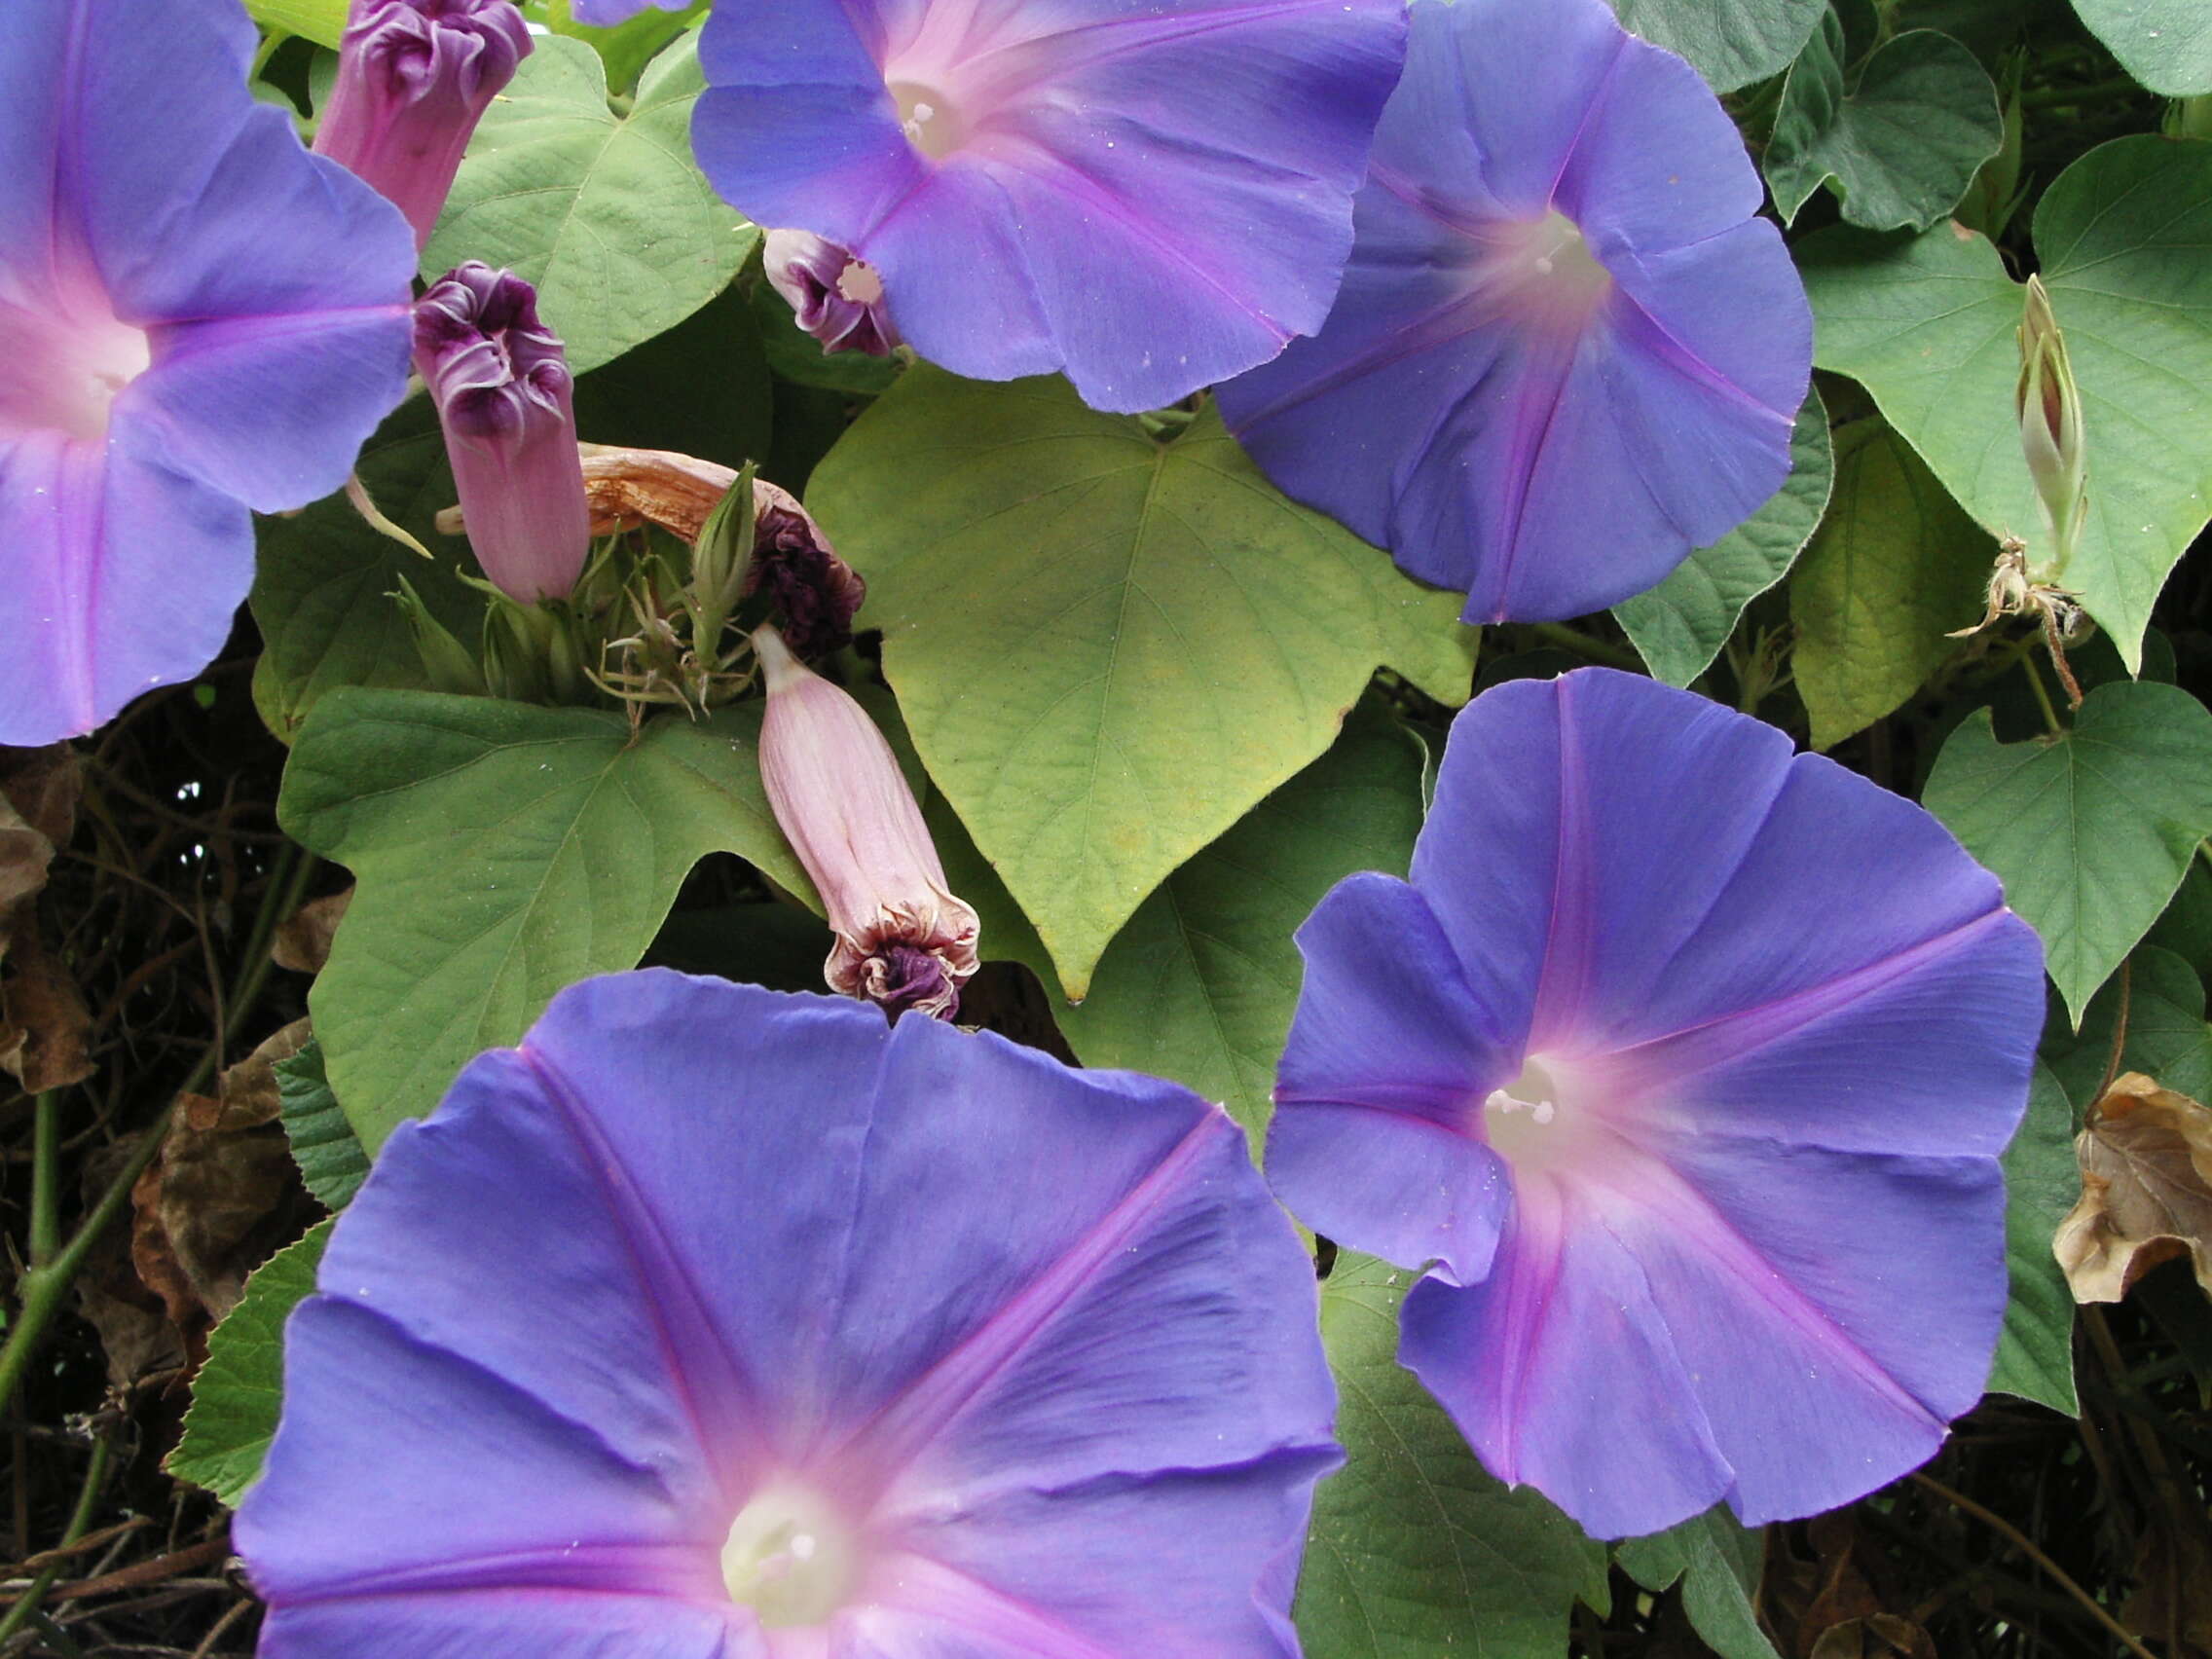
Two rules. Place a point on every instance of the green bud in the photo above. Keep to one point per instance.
(2051, 436)
(515, 663)
(720, 562)
(2190, 118)
(445, 659)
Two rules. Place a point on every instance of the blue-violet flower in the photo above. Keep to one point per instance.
(712, 1321)
(197, 319)
(1686, 1062)
(1151, 197)
(1566, 351)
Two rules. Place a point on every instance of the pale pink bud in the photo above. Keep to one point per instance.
(506, 401)
(413, 77)
(904, 940)
(836, 298)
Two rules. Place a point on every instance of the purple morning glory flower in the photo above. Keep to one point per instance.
(1148, 197)
(1687, 1063)
(833, 296)
(197, 318)
(718, 1322)
(506, 403)
(1566, 353)
(413, 77)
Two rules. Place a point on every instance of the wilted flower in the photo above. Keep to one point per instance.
(833, 296)
(714, 1321)
(903, 939)
(813, 593)
(1149, 198)
(1687, 1063)
(1566, 350)
(2051, 435)
(172, 354)
(413, 77)
(505, 399)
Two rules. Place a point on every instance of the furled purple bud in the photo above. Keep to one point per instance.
(904, 940)
(505, 397)
(838, 299)
(2051, 435)
(414, 77)
(813, 593)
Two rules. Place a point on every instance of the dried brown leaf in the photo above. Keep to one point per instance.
(223, 1195)
(43, 786)
(24, 854)
(2145, 1162)
(142, 1344)
(303, 938)
(45, 1027)
(2173, 1596)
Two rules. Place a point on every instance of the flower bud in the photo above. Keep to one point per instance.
(836, 298)
(2049, 407)
(904, 940)
(445, 659)
(414, 77)
(505, 398)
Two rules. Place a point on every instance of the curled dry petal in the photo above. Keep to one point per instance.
(904, 940)
(628, 489)
(2146, 1191)
(815, 593)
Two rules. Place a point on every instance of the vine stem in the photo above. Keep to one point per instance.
(2020, 1542)
(25, 1606)
(2093, 91)
(2043, 698)
(45, 1284)
(45, 1178)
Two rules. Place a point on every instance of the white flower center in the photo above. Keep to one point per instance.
(859, 283)
(930, 119)
(61, 369)
(790, 1557)
(1547, 268)
(1546, 1120)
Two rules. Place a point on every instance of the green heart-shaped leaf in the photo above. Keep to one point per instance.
(1108, 648)
(607, 214)
(1731, 43)
(1927, 325)
(501, 851)
(1680, 626)
(2090, 832)
(1902, 146)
